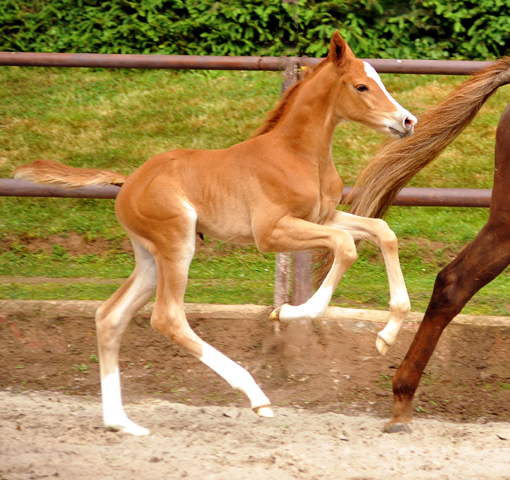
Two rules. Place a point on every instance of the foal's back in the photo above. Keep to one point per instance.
(230, 191)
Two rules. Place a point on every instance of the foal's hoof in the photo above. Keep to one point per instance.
(397, 428)
(264, 411)
(275, 318)
(129, 427)
(381, 345)
(275, 314)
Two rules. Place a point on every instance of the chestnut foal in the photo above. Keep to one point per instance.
(278, 190)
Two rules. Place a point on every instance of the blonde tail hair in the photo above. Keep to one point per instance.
(54, 173)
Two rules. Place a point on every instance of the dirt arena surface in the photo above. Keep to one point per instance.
(331, 392)
(56, 436)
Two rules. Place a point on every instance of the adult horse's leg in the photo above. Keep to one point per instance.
(112, 319)
(479, 263)
(483, 260)
(174, 246)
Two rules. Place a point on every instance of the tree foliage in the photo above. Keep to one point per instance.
(435, 29)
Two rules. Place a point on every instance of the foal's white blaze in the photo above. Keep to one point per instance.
(113, 414)
(370, 71)
(237, 377)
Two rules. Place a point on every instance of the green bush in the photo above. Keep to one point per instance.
(434, 29)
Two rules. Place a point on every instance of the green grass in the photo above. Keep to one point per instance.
(221, 291)
(119, 118)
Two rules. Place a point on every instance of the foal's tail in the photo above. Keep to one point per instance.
(49, 172)
(398, 162)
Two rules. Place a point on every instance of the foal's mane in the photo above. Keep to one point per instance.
(275, 115)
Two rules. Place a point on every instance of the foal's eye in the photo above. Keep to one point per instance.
(361, 88)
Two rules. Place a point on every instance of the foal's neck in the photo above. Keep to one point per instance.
(310, 121)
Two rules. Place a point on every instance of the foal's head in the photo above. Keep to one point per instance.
(362, 97)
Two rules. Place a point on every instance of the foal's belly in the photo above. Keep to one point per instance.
(227, 228)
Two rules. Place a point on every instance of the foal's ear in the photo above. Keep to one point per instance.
(339, 50)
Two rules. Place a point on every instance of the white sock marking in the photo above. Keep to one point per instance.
(113, 414)
(234, 374)
(112, 401)
(314, 308)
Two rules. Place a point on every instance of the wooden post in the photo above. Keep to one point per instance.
(302, 275)
(283, 260)
(303, 261)
(282, 279)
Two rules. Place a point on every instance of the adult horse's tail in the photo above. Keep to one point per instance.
(398, 162)
(49, 172)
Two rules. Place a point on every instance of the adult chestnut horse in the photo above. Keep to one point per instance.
(483, 259)
(278, 190)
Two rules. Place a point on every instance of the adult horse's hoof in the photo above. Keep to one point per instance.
(397, 428)
(264, 411)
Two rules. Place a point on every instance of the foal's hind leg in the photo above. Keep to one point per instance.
(112, 319)
(378, 232)
(174, 255)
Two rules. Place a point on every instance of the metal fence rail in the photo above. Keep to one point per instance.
(197, 62)
(410, 197)
(302, 260)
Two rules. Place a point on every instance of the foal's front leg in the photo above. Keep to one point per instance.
(293, 234)
(345, 228)
(378, 232)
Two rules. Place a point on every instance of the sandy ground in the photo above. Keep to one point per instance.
(54, 435)
(330, 390)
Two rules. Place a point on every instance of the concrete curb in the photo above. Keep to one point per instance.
(87, 308)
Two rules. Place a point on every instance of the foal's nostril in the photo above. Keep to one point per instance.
(409, 123)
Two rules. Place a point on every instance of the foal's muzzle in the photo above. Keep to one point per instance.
(406, 128)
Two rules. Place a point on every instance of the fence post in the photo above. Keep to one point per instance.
(303, 261)
(283, 260)
(282, 279)
(302, 277)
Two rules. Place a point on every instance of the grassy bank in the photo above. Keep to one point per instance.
(118, 119)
